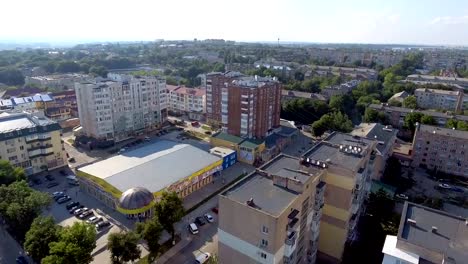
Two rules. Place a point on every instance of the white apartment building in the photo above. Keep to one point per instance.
(439, 99)
(190, 101)
(120, 108)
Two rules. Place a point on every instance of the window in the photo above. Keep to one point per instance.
(21, 148)
(265, 229)
(264, 242)
(12, 158)
(263, 255)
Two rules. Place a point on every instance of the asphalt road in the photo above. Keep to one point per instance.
(9, 248)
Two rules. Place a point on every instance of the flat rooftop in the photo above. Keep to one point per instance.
(454, 133)
(22, 124)
(383, 134)
(153, 166)
(268, 197)
(450, 239)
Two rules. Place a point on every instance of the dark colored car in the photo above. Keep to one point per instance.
(21, 260)
(37, 181)
(200, 221)
(63, 172)
(64, 199)
(215, 210)
(102, 224)
(52, 184)
(71, 205)
(49, 177)
(85, 214)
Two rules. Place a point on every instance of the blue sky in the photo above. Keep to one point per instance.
(337, 21)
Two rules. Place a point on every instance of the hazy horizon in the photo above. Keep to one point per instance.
(419, 22)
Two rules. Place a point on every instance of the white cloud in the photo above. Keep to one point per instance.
(450, 20)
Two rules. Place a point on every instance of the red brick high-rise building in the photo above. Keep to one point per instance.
(245, 106)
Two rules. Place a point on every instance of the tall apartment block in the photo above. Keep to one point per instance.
(441, 149)
(347, 163)
(272, 215)
(31, 141)
(439, 99)
(245, 106)
(123, 107)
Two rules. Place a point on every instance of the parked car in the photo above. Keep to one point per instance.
(21, 260)
(457, 189)
(193, 228)
(215, 210)
(85, 214)
(401, 196)
(52, 184)
(74, 208)
(71, 159)
(195, 124)
(199, 221)
(445, 186)
(55, 194)
(62, 172)
(94, 220)
(37, 181)
(202, 258)
(102, 224)
(122, 150)
(209, 218)
(79, 211)
(147, 139)
(49, 177)
(60, 196)
(64, 199)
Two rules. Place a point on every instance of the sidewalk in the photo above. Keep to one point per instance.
(228, 175)
(174, 250)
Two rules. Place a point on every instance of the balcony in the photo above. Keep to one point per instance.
(37, 137)
(293, 224)
(40, 152)
(317, 215)
(291, 239)
(318, 205)
(40, 147)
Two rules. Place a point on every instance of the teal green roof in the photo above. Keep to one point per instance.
(227, 137)
(251, 143)
(377, 185)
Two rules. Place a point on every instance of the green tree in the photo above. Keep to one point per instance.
(410, 102)
(394, 102)
(451, 123)
(20, 205)
(151, 231)
(9, 174)
(42, 232)
(342, 103)
(411, 119)
(123, 247)
(74, 246)
(374, 116)
(213, 260)
(428, 120)
(335, 121)
(98, 71)
(462, 125)
(170, 210)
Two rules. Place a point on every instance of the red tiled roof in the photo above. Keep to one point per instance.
(186, 90)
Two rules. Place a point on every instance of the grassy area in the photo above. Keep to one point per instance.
(205, 127)
(71, 141)
(164, 248)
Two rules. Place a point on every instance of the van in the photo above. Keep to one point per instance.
(193, 228)
(72, 180)
(202, 258)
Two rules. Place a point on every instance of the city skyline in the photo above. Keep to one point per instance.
(364, 21)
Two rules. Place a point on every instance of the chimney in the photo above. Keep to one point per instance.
(434, 229)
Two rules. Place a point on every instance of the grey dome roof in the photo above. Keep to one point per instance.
(135, 198)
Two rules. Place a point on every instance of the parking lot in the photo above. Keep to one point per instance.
(64, 218)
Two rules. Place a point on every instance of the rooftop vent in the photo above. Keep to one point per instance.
(250, 202)
(411, 221)
(434, 229)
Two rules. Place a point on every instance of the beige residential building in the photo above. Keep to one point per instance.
(348, 164)
(123, 107)
(272, 215)
(190, 101)
(441, 149)
(31, 141)
(439, 99)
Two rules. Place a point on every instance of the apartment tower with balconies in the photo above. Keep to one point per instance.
(245, 106)
(272, 215)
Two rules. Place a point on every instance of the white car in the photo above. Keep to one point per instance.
(209, 218)
(193, 228)
(94, 220)
(401, 196)
(444, 186)
(203, 257)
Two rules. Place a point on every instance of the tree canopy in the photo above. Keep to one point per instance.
(335, 121)
(123, 247)
(9, 174)
(303, 110)
(74, 246)
(170, 210)
(410, 102)
(42, 232)
(151, 231)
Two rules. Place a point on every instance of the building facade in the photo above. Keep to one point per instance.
(429, 79)
(189, 101)
(119, 109)
(348, 164)
(31, 141)
(246, 106)
(441, 149)
(282, 203)
(56, 82)
(439, 99)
